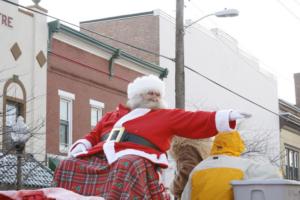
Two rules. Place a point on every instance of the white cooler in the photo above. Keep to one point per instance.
(269, 189)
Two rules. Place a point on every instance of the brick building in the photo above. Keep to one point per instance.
(59, 79)
(141, 30)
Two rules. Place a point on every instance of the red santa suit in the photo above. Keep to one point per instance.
(127, 167)
(157, 126)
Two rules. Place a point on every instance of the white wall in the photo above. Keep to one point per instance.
(167, 48)
(31, 33)
(216, 55)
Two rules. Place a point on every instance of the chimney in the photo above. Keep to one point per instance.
(297, 88)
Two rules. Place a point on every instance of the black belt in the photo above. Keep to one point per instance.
(129, 137)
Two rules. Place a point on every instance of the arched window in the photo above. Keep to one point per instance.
(14, 105)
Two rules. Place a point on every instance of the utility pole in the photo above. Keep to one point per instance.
(179, 59)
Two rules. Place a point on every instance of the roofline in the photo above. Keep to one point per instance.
(291, 106)
(119, 17)
(56, 26)
(288, 116)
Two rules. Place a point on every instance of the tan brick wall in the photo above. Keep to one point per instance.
(141, 31)
(289, 139)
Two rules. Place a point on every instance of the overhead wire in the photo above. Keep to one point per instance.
(288, 10)
(266, 66)
(94, 32)
(297, 2)
(261, 62)
(152, 53)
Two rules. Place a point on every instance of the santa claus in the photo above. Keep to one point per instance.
(121, 158)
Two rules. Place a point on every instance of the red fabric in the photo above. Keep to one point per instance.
(4, 197)
(35, 195)
(53, 193)
(131, 177)
(26, 195)
(232, 124)
(157, 126)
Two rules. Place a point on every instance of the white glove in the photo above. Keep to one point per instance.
(79, 147)
(234, 115)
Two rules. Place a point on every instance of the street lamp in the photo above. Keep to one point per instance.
(20, 135)
(223, 13)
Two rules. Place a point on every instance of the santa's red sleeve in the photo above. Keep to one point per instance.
(200, 124)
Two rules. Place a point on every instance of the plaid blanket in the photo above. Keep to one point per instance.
(131, 177)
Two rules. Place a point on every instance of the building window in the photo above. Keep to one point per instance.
(65, 120)
(13, 110)
(14, 105)
(96, 112)
(292, 163)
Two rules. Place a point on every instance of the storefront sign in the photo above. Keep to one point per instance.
(6, 20)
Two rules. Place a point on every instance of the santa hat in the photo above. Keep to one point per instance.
(145, 84)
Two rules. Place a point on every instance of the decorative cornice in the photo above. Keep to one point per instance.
(290, 106)
(289, 115)
(56, 26)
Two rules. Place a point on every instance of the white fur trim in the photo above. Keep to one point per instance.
(112, 155)
(222, 121)
(85, 142)
(138, 112)
(145, 84)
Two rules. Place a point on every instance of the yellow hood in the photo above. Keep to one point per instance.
(228, 143)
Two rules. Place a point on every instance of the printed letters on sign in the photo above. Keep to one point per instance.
(6, 20)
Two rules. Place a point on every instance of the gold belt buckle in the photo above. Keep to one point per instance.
(116, 131)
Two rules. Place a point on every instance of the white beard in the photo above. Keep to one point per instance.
(140, 102)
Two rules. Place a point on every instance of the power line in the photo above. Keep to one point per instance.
(288, 9)
(231, 91)
(196, 6)
(297, 2)
(153, 53)
(104, 36)
(281, 76)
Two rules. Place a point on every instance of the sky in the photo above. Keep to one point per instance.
(266, 29)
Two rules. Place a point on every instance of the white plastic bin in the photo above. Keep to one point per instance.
(269, 189)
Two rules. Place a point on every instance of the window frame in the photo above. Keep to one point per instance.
(99, 106)
(7, 98)
(69, 99)
(292, 168)
(19, 110)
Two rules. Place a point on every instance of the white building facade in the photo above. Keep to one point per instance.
(23, 51)
(226, 77)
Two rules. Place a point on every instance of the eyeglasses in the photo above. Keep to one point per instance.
(153, 93)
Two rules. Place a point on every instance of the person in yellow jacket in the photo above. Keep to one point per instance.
(210, 179)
